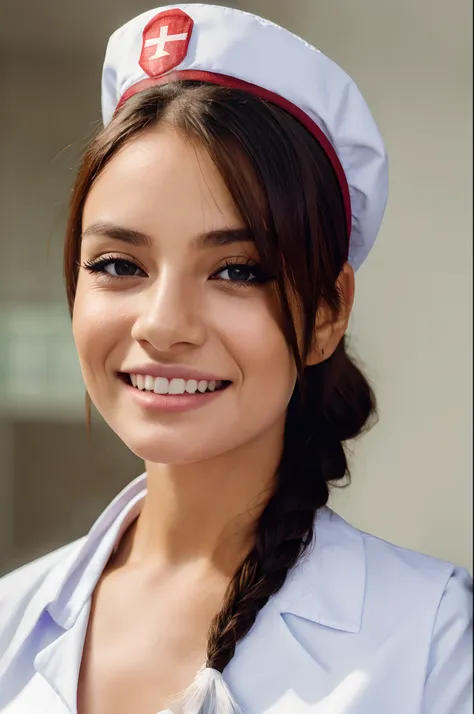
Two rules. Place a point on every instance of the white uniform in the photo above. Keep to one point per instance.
(360, 627)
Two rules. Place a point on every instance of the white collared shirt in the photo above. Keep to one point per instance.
(359, 627)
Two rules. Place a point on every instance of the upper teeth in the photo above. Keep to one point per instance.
(161, 385)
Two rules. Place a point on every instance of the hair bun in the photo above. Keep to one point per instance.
(348, 399)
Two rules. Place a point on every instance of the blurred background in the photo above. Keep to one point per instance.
(412, 325)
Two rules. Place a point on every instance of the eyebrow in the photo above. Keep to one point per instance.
(110, 230)
(212, 239)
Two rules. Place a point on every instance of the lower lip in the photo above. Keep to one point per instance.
(172, 402)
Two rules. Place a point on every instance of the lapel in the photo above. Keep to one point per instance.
(60, 661)
(33, 629)
(71, 607)
(54, 623)
(272, 671)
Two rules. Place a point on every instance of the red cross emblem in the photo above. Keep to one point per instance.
(165, 42)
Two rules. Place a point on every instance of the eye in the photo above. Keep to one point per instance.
(241, 273)
(121, 269)
(114, 268)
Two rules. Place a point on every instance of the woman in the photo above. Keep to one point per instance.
(214, 229)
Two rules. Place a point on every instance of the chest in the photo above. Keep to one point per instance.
(141, 653)
(140, 672)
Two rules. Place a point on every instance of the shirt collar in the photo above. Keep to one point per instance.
(327, 586)
(82, 574)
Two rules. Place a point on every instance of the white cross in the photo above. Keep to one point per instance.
(161, 41)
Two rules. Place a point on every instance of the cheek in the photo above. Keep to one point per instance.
(95, 327)
(253, 336)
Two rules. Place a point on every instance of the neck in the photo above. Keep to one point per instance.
(206, 511)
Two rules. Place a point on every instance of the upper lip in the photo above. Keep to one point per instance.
(172, 372)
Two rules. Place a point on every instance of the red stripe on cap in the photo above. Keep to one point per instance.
(234, 83)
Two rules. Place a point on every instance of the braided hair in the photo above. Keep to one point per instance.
(313, 456)
(289, 197)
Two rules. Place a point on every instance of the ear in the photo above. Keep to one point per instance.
(331, 327)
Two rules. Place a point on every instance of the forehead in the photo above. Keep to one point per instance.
(162, 183)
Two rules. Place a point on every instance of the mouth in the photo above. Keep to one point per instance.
(173, 387)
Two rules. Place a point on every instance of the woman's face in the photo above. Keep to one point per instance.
(178, 297)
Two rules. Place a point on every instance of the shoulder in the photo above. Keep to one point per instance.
(404, 585)
(393, 581)
(388, 563)
(409, 616)
(411, 574)
(24, 593)
(25, 580)
(431, 601)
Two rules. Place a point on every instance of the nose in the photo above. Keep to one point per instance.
(170, 316)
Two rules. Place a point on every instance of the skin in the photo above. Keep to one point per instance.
(210, 470)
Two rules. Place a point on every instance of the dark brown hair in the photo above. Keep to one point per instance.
(288, 196)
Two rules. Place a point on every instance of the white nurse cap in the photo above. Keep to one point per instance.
(237, 49)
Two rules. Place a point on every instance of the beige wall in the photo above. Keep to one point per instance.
(412, 475)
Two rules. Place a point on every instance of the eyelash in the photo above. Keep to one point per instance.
(98, 266)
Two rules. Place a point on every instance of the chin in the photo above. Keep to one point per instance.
(172, 450)
(153, 454)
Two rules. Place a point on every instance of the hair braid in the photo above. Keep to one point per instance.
(260, 576)
(284, 531)
(337, 406)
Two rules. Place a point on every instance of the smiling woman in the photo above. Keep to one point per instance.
(214, 229)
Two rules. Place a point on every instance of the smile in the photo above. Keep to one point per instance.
(160, 394)
(162, 385)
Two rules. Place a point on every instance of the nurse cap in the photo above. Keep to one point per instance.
(237, 49)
